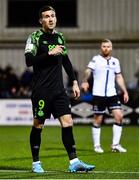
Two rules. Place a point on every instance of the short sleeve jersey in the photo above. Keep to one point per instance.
(104, 72)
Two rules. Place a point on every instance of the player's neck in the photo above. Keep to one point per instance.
(107, 57)
(50, 31)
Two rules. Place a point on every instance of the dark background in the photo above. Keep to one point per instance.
(24, 13)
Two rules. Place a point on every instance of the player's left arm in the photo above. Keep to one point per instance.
(120, 81)
(69, 70)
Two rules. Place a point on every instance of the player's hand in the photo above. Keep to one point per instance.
(126, 97)
(57, 50)
(85, 86)
(76, 90)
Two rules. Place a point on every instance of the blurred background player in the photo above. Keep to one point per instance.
(46, 52)
(106, 73)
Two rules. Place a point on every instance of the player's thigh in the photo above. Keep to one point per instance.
(61, 105)
(66, 120)
(99, 105)
(113, 103)
(118, 115)
(41, 105)
(114, 107)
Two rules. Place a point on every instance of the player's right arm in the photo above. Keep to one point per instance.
(87, 74)
(85, 84)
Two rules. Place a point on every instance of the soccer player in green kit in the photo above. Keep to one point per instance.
(46, 52)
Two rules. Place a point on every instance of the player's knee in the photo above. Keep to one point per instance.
(97, 120)
(37, 124)
(96, 125)
(66, 121)
(119, 118)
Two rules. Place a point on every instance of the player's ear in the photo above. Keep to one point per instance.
(40, 21)
(111, 45)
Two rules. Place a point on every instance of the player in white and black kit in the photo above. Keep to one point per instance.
(106, 72)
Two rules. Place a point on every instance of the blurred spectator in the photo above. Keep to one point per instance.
(25, 83)
(3, 84)
(12, 81)
(26, 78)
(9, 83)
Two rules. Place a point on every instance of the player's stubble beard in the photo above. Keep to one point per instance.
(106, 54)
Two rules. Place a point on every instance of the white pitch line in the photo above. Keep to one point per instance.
(101, 172)
(117, 172)
(10, 170)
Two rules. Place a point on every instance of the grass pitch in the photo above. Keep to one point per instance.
(15, 156)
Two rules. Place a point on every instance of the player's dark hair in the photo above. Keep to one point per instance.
(45, 8)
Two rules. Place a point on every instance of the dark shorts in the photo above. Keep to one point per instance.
(100, 104)
(44, 104)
